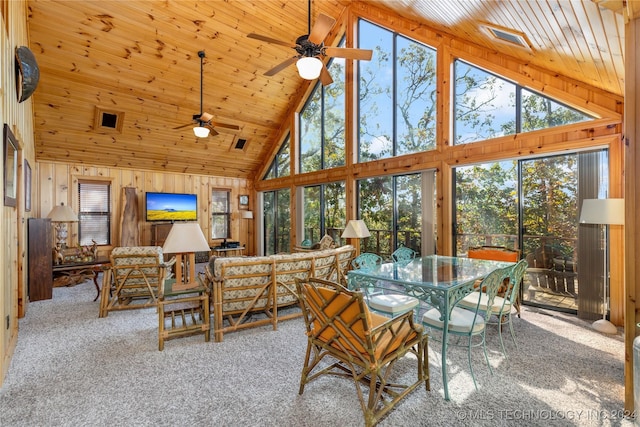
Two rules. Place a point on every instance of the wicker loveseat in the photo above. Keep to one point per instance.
(243, 289)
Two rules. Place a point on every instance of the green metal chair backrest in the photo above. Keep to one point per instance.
(515, 279)
(403, 253)
(366, 261)
(490, 285)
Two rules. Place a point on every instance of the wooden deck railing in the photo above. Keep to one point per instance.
(380, 241)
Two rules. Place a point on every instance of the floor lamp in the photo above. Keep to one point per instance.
(184, 240)
(356, 229)
(604, 212)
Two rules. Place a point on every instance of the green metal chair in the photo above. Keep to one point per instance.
(470, 323)
(403, 254)
(502, 306)
(390, 304)
(366, 261)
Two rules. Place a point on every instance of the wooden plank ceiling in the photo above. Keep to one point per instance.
(139, 59)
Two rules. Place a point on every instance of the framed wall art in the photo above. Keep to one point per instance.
(27, 186)
(10, 150)
(244, 201)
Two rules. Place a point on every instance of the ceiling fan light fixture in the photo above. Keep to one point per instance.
(309, 67)
(201, 131)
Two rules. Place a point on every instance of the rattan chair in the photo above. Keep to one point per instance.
(133, 278)
(470, 323)
(364, 345)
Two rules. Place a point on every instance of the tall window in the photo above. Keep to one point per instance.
(220, 214)
(397, 95)
(487, 106)
(94, 199)
(324, 211)
(322, 123)
(280, 165)
(391, 206)
(277, 221)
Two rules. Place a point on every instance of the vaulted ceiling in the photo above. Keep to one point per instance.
(136, 62)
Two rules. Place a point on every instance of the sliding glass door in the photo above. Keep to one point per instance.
(392, 208)
(324, 211)
(533, 205)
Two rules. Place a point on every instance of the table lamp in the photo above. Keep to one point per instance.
(356, 229)
(605, 212)
(60, 215)
(184, 240)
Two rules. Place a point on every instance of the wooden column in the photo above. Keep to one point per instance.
(632, 192)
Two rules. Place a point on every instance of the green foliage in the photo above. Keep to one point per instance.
(277, 221)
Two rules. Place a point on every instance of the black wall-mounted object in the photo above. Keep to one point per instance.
(27, 73)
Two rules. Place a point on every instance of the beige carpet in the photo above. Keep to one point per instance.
(72, 368)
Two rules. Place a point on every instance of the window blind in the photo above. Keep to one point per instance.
(94, 213)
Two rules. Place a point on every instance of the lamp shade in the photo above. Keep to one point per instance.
(62, 213)
(602, 211)
(309, 67)
(355, 229)
(201, 131)
(185, 237)
(246, 214)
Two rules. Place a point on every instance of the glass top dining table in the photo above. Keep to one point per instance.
(439, 281)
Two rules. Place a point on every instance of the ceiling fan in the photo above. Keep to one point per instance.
(204, 120)
(310, 50)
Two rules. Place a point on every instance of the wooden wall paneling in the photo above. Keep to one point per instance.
(148, 181)
(13, 292)
(44, 199)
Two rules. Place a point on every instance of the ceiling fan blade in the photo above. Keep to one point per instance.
(349, 53)
(325, 77)
(281, 66)
(321, 28)
(183, 126)
(269, 40)
(212, 131)
(205, 117)
(224, 125)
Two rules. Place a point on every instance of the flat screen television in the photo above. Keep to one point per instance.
(171, 207)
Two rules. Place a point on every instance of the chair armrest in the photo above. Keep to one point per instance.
(204, 282)
(405, 317)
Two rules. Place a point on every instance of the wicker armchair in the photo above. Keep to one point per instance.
(133, 279)
(364, 345)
